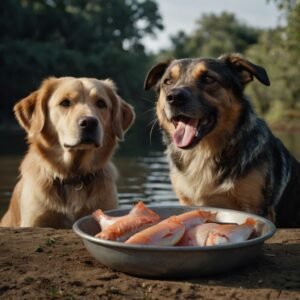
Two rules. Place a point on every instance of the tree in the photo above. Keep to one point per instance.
(279, 52)
(213, 36)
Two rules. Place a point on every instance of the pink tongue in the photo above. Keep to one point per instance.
(184, 133)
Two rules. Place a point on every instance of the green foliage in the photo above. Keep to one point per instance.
(213, 36)
(279, 52)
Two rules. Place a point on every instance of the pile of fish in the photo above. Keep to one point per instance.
(143, 226)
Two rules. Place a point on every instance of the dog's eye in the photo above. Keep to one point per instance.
(208, 79)
(101, 103)
(65, 103)
(168, 81)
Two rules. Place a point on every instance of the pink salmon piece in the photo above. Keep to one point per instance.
(196, 217)
(166, 233)
(103, 219)
(227, 233)
(197, 236)
(138, 210)
(125, 227)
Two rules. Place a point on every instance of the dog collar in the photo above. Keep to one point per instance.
(77, 181)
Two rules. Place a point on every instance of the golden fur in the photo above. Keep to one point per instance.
(48, 193)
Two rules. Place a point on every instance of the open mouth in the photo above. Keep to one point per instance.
(189, 131)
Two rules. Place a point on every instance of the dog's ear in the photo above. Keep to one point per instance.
(245, 69)
(126, 116)
(123, 114)
(155, 74)
(31, 111)
(24, 110)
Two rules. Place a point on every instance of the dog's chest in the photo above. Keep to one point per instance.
(194, 184)
(76, 199)
(198, 180)
(200, 184)
(72, 200)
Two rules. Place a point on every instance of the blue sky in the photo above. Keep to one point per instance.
(182, 14)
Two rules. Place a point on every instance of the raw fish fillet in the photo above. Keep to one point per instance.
(166, 233)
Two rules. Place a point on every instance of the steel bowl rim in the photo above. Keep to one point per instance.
(254, 241)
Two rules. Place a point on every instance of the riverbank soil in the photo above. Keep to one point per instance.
(54, 264)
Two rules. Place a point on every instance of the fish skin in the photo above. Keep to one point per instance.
(228, 233)
(197, 235)
(103, 219)
(140, 226)
(196, 217)
(126, 227)
(210, 234)
(166, 233)
(121, 228)
(141, 209)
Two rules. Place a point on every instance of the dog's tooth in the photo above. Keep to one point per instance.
(197, 133)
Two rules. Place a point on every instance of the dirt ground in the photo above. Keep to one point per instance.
(54, 264)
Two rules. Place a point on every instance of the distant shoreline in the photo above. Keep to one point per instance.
(286, 126)
(279, 126)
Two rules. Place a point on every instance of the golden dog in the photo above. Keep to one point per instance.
(73, 126)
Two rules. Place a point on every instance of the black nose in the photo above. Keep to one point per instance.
(178, 97)
(88, 123)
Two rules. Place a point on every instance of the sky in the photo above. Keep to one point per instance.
(182, 14)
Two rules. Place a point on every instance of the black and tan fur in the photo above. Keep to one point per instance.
(233, 161)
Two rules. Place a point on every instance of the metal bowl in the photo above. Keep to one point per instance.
(173, 262)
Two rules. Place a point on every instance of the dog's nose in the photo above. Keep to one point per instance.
(178, 97)
(88, 123)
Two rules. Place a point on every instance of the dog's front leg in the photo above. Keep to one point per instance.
(31, 206)
(36, 216)
(53, 219)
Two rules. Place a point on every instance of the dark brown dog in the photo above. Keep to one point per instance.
(221, 154)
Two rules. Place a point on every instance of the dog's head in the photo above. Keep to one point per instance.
(75, 113)
(201, 98)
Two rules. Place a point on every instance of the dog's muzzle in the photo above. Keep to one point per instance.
(191, 122)
(178, 97)
(89, 130)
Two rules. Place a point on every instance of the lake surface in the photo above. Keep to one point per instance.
(143, 176)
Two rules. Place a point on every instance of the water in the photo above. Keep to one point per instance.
(146, 178)
(143, 177)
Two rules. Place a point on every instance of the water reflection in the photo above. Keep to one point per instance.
(8, 178)
(145, 178)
